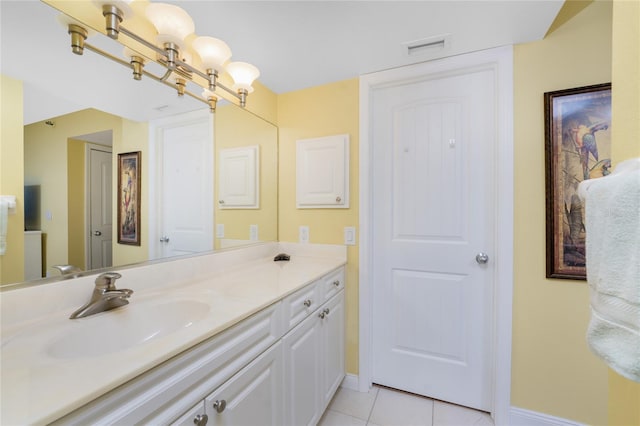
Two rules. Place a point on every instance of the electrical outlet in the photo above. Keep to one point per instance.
(220, 230)
(350, 235)
(253, 232)
(304, 234)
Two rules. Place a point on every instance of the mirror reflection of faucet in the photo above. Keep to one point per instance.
(105, 296)
(68, 271)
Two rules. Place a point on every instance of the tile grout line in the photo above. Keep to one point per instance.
(373, 405)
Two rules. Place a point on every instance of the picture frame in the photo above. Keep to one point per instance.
(129, 182)
(577, 147)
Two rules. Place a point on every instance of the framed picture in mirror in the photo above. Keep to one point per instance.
(577, 147)
(129, 176)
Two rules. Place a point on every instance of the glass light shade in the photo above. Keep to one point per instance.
(172, 23)
(123, 5)
(243, 75)
(213, 52)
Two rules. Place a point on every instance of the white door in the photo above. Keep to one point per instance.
(183, 187)
(432, 157)
(100, 222)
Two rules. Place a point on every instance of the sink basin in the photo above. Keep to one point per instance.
(125, 327)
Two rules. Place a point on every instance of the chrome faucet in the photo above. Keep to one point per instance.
(105, 296)
(68, 271)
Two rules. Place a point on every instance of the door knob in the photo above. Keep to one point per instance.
(97, 233)
(482, 258)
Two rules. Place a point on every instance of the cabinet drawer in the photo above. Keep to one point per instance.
(299, 305)
(333, 283)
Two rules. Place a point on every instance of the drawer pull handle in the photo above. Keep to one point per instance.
(307, 303)
(324, 313)
(220, 405)
(336, 283)
(200, 420)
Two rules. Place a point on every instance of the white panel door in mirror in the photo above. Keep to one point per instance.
(238, 178)
(322, 172)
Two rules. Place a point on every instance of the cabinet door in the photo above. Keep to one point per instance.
(195, 416)
(302, 353)
(322, 172)
(253, 396)
(239, 176)
(332, 343)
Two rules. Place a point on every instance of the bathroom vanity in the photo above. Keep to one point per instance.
(225, 338)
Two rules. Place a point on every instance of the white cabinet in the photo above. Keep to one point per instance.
(302, 360)
(332, 338)
(251, 397)
(195, 416)
(239, 178)
(281, 365)
(314, 363)
(322, 172)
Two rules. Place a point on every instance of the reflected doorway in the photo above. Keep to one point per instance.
(100, 235)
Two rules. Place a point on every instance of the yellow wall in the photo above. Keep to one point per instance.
(624, 395)
(11, 177)
(237, 128)
(46, 153)
(553, 370)
(75, 203)
(322, 111)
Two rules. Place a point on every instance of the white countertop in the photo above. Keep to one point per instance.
(38, 387)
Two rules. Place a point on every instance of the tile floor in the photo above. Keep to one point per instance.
(388, 407)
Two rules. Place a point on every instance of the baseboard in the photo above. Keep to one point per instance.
(522, 417)
(350, 381)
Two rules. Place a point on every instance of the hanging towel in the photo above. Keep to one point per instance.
(4, 212)
(613, 267)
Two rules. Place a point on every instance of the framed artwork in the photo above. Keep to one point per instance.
(129, 198)
(577, 147)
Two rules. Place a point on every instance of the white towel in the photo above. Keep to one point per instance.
(613, 267)
(4, 212)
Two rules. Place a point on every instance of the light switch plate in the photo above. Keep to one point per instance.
(220, 230)
(350, 235)
(253, 232)
(304, 234)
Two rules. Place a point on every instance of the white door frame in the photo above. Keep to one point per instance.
(501, 59)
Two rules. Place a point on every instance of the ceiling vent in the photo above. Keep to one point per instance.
(429, 45)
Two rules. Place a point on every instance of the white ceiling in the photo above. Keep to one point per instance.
(295, 44)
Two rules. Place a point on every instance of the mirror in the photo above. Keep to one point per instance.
(55, 149)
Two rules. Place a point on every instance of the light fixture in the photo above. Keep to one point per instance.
(174, 27)
(214, 53)
(243, 75)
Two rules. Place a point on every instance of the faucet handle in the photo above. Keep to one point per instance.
(107, 281)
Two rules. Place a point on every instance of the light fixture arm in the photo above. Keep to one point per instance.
(169, 57)
(162, 79)
(113, 17)
(78, 37)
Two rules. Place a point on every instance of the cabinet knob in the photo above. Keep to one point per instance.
(324, 313)
(200, 420)
(220, 405)
(336, 283)
(338, 199)
(307, 303)
(221, 202)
